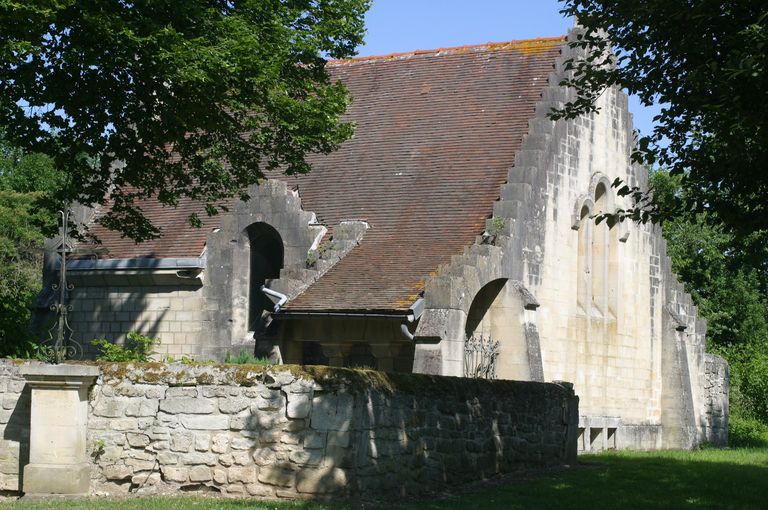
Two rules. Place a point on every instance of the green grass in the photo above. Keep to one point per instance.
(722, 479)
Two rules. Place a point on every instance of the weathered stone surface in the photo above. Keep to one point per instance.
(181, 392)
(320, 481)
(306, 457)
(187, 405)
(142, 407)
(241, 458)
(233, 405)
(332, 412)
(220, 476)
(137, 440)
(299, 405)
(197, 458)
(220, 443)
(276, 475)
(117, 472)
(381, 439)
(242, 474)
(214, 422)
(240, 443)
(202, 442)
(200, 474)
(175, 474)
(182, 441)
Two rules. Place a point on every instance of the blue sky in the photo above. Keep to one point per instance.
(406, 25)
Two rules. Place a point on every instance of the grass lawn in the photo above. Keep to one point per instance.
(728, 479)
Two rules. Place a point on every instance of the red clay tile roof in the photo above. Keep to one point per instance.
(437, 132)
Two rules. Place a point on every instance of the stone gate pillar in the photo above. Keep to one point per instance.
(58, 464)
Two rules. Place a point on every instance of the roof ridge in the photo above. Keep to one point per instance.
(515, 44)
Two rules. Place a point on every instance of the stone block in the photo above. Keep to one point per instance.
(142, 408)
(187, 405)
(117, 472)
(167, 458)
(137, 440)
(264, 456)
(175, 474)
(242, 420)
(198, 458)
(306, 457)
(260, 491)
(233, 405)
(220, 476)
(276, 475)
(241, 458)
(182, 441)
(10, 401)
(315, 440)
(125, 424)
(200, 474)
(241, 443)
(220, 443)
(321, 481)
(111, 407)
(299, 405)
(276, 403)
(331, 412)
(202, 442)
(181, 391)
(242, 474)
(47, 479)
(205, 422)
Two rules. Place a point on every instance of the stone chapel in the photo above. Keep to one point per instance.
(459, 215)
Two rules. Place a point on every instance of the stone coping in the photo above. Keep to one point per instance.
(46, 371)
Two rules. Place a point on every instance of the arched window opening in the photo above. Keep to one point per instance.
(584, 291)
(600, 253)
(266, 260)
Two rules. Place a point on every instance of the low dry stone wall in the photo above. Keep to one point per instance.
(301, 431)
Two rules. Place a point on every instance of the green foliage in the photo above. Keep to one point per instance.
(497, 225)
(747, 433)
(245, 358)
(706, 63)
(187, 360)
(322, 252)
(26, 183)
(197, 98)
(21, 243)
(137, 348)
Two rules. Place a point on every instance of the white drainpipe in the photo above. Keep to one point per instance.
(417, 308)
(282, 297)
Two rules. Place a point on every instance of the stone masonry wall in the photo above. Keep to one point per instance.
(171, 313)
(714, 428)
(14, 426)
(295, 432)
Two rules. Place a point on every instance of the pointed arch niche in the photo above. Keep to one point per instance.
(597, 266)
(505, 310)
(266, 255)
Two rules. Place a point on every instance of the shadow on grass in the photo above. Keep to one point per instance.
(722, 479)
(696, 480)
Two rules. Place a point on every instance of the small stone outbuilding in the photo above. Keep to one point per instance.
(458, 214)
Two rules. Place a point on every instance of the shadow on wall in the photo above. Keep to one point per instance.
(374, 443)
(110, 313)
(16, 440)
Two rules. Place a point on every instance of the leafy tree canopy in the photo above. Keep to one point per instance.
(26, 180)
(194, 99)
(706, 61)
